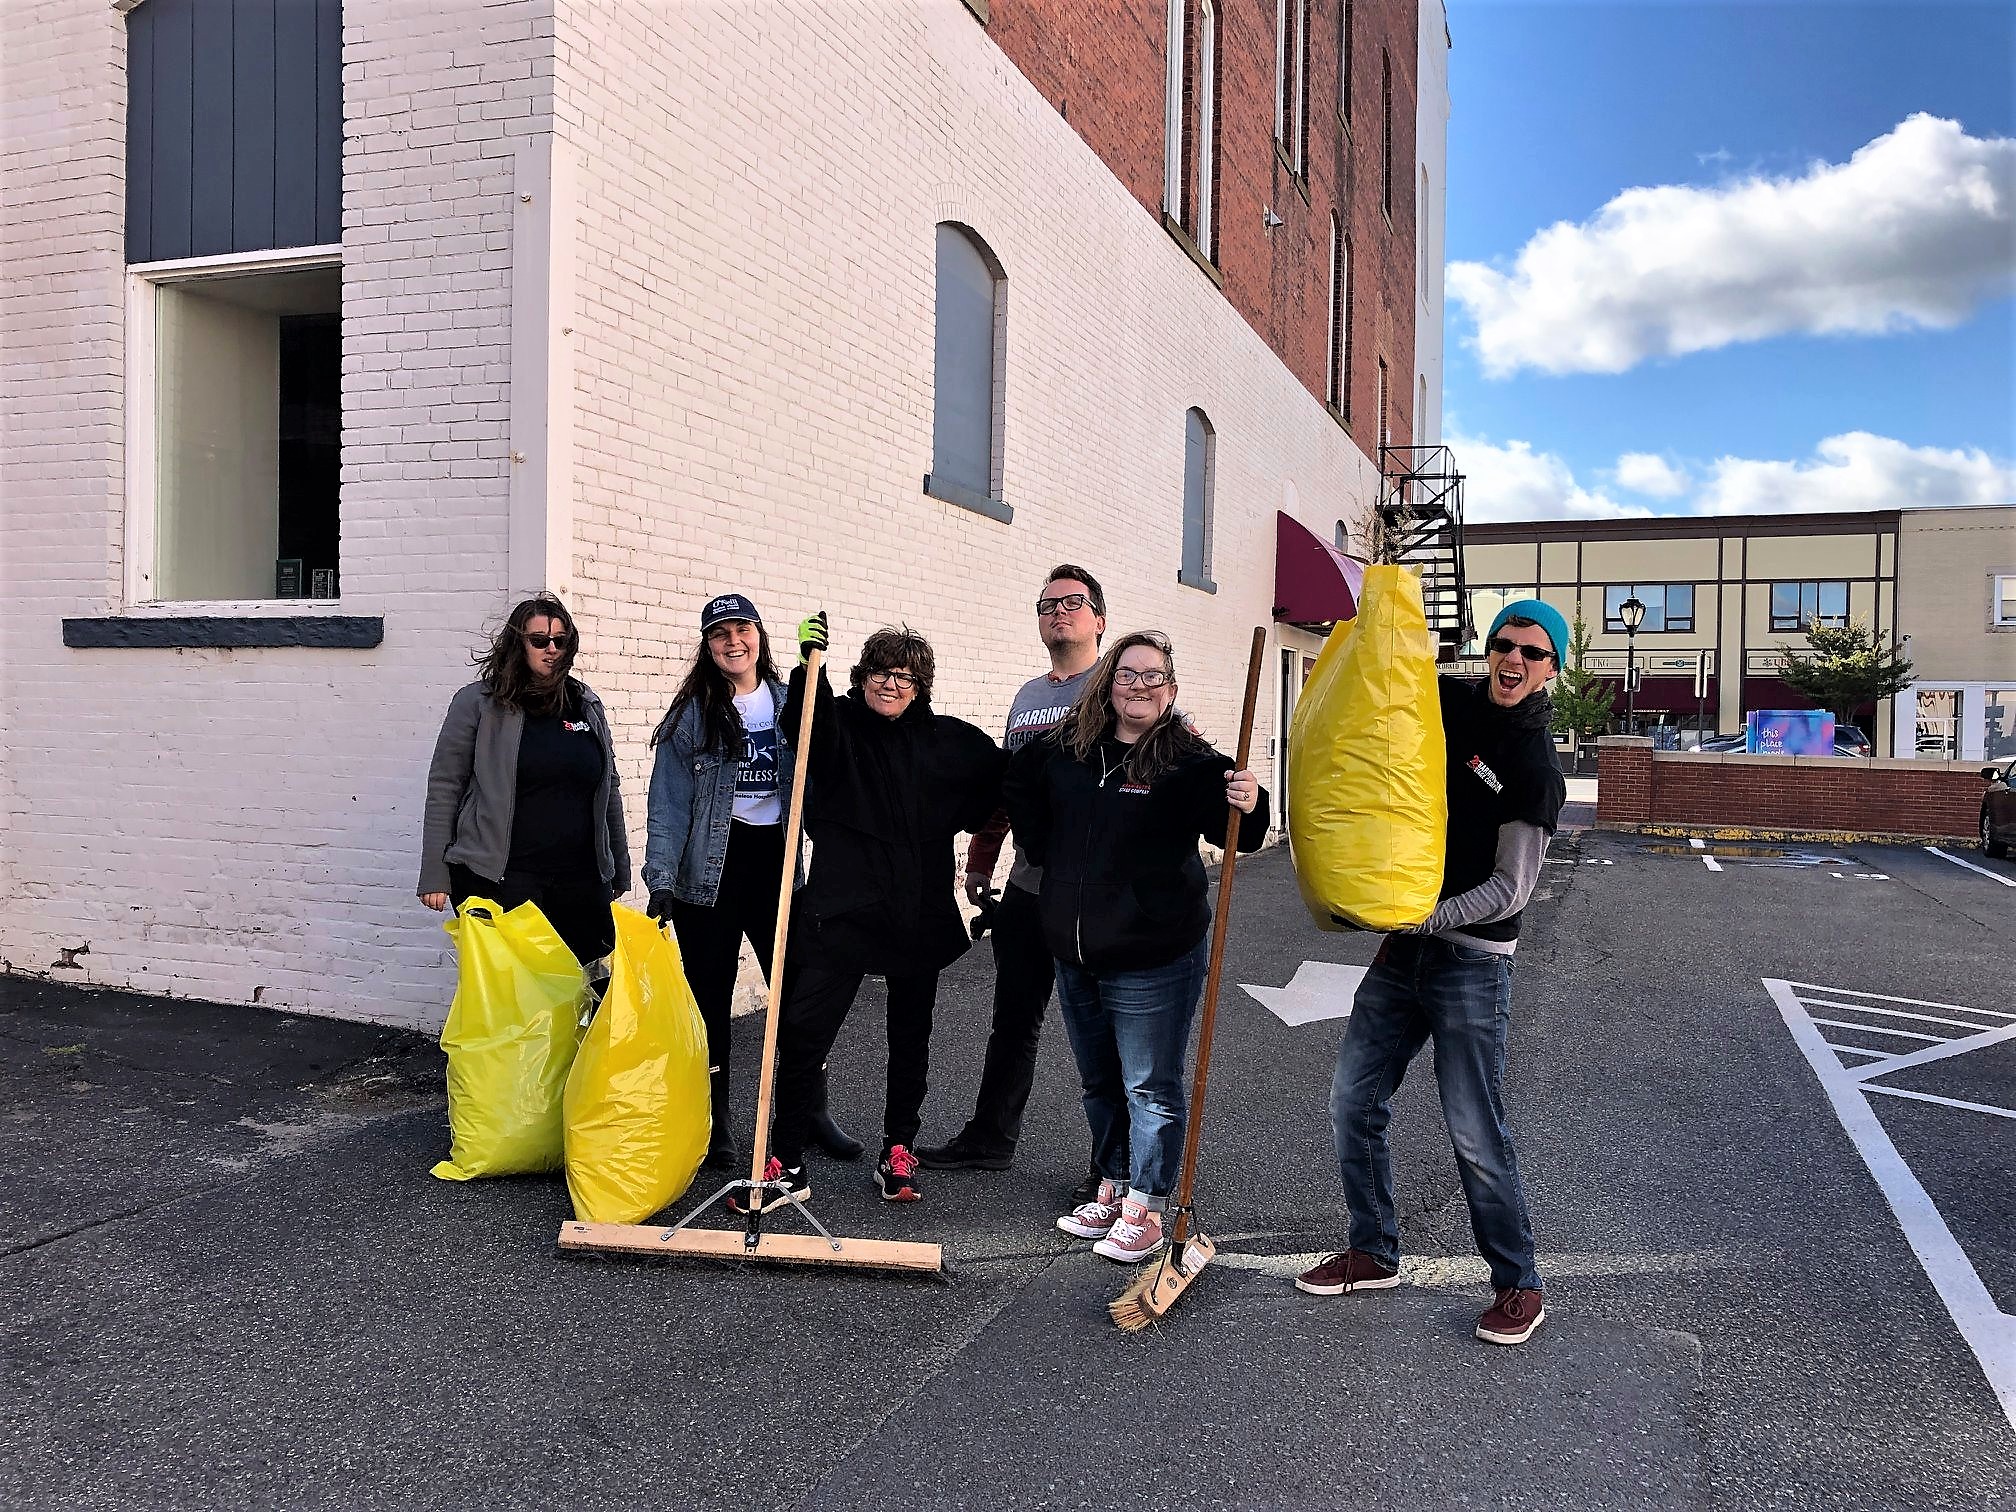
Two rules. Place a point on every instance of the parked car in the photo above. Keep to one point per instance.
(1998, 808)
(1848, 741)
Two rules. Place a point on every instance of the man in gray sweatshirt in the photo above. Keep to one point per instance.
(1071, 618)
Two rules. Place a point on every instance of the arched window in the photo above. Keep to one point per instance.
(968, 406)
(1200, 459)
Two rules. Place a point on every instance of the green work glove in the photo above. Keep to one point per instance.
(811, 635)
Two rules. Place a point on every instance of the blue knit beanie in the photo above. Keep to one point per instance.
(1546, 616)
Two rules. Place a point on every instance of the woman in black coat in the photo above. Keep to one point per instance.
(891, 783)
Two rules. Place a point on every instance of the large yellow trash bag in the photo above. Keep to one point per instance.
(510, 1038)
(637, 1101)
(1368, 810)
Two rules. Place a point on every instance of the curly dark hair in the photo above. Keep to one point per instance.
(707, 688)
(895, 647)
(506, 675)
(1092, 718)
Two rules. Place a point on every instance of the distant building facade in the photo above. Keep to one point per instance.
(1727, 594)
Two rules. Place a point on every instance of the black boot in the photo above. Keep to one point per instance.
(721, 1152)
(828, 1135)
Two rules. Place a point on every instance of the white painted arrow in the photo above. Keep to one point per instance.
(1319, 990)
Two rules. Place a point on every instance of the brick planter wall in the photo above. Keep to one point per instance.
(1639, 787)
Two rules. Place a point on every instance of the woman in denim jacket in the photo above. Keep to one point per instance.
(714, 853)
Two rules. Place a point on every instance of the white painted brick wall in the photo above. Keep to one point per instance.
(243, 825)
(754, 270)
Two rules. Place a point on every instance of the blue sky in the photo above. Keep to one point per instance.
(1726, 369)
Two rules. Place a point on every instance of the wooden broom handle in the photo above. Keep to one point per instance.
(1220, 918)
(759, 1147)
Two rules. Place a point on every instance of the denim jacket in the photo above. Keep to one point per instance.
(692, 804)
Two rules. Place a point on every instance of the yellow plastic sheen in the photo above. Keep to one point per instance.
(510, 1037)
(1368, 808)
(637, 1102)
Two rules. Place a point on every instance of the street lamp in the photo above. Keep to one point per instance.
(1632, 613)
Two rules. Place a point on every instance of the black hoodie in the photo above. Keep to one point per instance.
(884, 798)
(1123, 885)
(1502, 769)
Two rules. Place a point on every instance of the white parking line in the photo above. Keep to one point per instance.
(1923, 1018)
(1989, 1332)
(1711, 863)
(1944, 1102)
(1991, 876)
(1884, 997)
(1946, 1050)
(1936, 1039)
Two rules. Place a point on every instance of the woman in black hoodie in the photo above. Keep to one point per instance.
(1111, 805)
(890, 784)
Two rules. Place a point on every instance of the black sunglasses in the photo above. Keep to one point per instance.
(539, 641)
(1505, 646)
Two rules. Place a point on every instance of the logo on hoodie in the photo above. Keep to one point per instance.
(1485, 775)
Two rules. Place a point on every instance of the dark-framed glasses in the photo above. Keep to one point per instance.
(1127, 677)
(893, 679)
(1504, 646)
(1069, 603)
(539, 641)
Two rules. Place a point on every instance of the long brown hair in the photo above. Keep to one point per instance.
(707, 688)
(505, 672)
(1168, 741)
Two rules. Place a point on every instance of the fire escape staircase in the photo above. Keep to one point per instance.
(1420, 524)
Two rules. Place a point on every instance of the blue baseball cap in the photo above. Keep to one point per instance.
(1546, 616)
(728, 606)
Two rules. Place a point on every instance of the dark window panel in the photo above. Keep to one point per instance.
(252, 146)
(294, 153)
(329, 121)
(962, 433)
(210, 135)
(139, 142)
(174, 23)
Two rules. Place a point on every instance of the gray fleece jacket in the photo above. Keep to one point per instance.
(472, 788)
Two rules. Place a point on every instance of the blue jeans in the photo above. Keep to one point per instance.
(1421, 989)
(1128, 1030)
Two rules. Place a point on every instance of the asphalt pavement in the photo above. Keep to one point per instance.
(230, 1281)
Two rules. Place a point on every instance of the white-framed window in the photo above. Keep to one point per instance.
(1172, 112)
(1282, 58)
(234, 427)
(1291, 80)
(1384, 428)
(1422, 281)
(1386, 131)
(1204, 112)
(1299, 148)
(1200, 464)
(1333, 381)
(2002, 601)
(969, 374)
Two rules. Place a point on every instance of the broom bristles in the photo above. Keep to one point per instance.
(1149, 1296)
(1130, 1310)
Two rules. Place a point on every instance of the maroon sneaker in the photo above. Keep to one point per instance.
(1513, 1317)
(1353, 1270)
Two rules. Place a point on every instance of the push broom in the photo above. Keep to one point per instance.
(1159, 1285)
(753, 1242)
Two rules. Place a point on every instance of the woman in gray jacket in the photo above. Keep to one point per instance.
(714, 847)
(523, 803)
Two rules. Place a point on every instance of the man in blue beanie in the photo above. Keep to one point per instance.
(1449, 980)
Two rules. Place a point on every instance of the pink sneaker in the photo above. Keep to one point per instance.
(1135, 1236)
(1095, 1219)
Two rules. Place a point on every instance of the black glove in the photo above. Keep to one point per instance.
(811, 635)
(659, 909)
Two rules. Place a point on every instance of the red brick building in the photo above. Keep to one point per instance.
(1306, 142)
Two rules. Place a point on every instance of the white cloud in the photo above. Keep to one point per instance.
(1515, 482)
(1650, 474)
(1856, 470)
(1918, 228)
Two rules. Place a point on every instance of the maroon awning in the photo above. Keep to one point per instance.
(1314, 582)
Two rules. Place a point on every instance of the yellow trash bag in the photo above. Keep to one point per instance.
(1368, 809)
(637, 1101)
(510, 1038)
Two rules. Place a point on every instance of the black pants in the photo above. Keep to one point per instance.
(577, 908)
(1024, 972)
(816, 1001)
(710, 938)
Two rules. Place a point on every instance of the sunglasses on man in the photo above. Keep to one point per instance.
(1504, 645)
(539, 641)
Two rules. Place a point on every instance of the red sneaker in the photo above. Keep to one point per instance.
(773, 1170)
(1352, 1270)
(897, 1175)
(1513, 1317)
